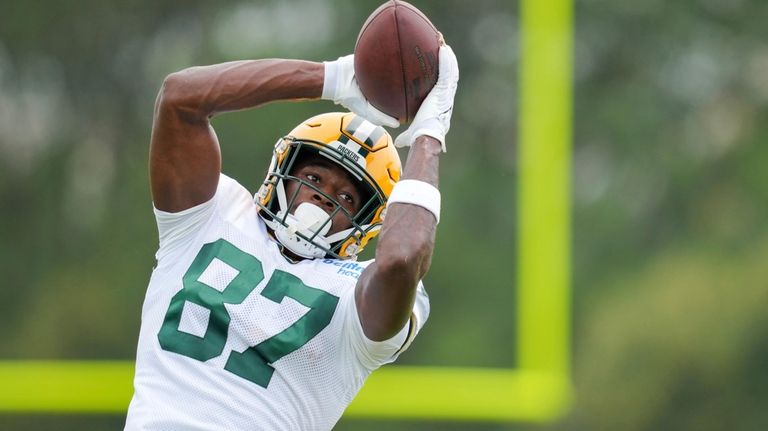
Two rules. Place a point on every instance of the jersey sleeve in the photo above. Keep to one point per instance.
(373, 354)
(177, 230)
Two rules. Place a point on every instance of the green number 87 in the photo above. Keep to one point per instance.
(254, 363)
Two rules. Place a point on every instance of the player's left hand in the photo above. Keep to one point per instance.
(434, 115)
(341, 86)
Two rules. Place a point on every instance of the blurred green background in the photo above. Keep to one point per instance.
(670, 190)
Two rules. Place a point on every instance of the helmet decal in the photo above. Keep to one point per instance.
(352, 150)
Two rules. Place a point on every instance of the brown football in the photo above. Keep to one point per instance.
(396, 59)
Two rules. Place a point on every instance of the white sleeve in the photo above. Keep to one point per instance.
(373, 354)
(176, 230)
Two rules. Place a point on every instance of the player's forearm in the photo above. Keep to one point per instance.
(201, 92)
(408, 234)
(403, 254)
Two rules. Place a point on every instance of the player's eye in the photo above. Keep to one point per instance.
(312, 177)
(346, 197)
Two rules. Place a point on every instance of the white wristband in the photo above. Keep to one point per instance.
(419, 193)
(329, 81)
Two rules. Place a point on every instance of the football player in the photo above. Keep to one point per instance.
(257, 315)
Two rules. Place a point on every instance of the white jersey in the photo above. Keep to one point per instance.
(235, 337)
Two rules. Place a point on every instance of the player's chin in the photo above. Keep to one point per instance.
(335, 230)
(339, 224)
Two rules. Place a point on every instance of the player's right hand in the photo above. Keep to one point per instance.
(340, 85)
(434, 115)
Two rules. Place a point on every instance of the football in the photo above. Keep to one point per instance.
(396, 56)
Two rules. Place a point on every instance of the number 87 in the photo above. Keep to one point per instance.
(254, 362)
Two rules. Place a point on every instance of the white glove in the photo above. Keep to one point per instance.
(434, 115)
(340, 85)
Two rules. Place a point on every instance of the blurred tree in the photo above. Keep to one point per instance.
(679, 343)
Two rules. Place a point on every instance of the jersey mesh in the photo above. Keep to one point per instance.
(313, 380)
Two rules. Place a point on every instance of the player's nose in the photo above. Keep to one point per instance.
(322, 201)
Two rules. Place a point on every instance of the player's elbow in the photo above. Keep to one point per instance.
(173, 91)
(178, 93)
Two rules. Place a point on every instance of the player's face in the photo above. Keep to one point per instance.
(333, 181)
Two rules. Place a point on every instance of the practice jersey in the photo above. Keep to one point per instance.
(235, 337)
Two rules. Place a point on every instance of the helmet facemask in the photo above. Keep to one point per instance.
(304, 231)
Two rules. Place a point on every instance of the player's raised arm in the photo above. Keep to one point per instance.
(184, 159)
(386, 290)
